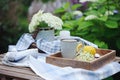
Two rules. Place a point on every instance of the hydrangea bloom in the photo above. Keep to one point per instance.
(48, 18)
(91, 17)
(109, 13)
(78, 13)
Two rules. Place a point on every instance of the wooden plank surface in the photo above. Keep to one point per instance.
(23, 72)
(18, 72)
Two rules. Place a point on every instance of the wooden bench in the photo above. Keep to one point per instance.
(16, 73)
(20, 73)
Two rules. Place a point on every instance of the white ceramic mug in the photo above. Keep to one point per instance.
(68, 48)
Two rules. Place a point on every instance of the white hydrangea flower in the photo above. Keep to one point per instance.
(48, 18)
(91, 17)
(82, 1)
(34, 21)
(109, 13)
(77, 13)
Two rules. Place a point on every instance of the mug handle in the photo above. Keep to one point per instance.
(79, 47)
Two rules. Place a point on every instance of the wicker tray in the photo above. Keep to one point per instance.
(107, 56)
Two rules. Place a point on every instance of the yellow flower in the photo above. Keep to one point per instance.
(89, 49)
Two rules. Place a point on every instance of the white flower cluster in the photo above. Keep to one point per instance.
(48, 18)
(85, 57)
(109, 13)
(82, 1)
(91, 17)
(77, 13)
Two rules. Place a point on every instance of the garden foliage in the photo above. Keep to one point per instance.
(98, 23)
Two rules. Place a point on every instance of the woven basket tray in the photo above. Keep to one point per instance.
(107, 56)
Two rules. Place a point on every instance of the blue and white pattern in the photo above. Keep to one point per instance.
(51, 72)
(37, 62)
(24, 42)
(48, 47)
(22, 56)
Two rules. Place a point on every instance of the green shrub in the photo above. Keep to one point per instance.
(102, 29)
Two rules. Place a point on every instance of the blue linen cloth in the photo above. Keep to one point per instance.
(24, 42)
(22, 56)
(48, 47)
(37, 62)
(51, 72)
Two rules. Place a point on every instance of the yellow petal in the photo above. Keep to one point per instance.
(89, 49)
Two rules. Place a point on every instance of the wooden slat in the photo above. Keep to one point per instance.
(117, 59)
(19, 75)
(18, 72)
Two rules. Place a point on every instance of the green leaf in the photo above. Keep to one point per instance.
(70, 24)
(103, 18)
(101, 44)
(115, 17)
(66, 6)
(67, 16)
(59, 10)
(92, 12)
(63, 8)
(111, 24)
(74, 7)
(83, 25)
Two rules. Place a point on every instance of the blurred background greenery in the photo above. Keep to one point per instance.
(103, 30)
(13, 21)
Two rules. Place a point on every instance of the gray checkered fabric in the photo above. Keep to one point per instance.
(48, 47)
(24, 42)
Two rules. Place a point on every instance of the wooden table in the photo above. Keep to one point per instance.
(20, 73)
(16, 73)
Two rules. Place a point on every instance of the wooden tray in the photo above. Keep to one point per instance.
(107, 56)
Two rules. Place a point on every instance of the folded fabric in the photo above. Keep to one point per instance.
(51, 72)
(19, 58)
(37, 62)
(24, 42)
(12, 48)
(48, 47)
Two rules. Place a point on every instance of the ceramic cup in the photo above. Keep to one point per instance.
(68, 48)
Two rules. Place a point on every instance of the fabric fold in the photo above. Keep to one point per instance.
(37, 62)
(24, 42)
(47, 71)
(19, 58)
